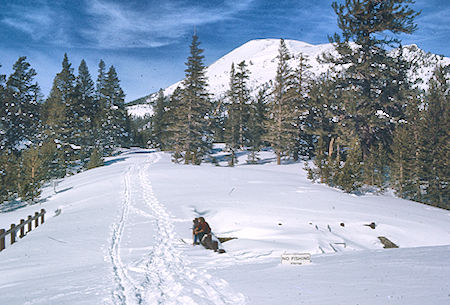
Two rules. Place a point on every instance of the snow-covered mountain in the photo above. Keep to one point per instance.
(261, 58)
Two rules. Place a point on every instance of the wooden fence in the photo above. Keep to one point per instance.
(21, 228)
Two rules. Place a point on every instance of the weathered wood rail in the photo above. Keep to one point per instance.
(20, 228)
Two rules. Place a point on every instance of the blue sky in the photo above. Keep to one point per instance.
(148, 41)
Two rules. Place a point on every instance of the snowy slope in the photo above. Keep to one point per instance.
(123, 237)
(261, 58)
(140, 110)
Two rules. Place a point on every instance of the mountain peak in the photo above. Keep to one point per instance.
(261, 58)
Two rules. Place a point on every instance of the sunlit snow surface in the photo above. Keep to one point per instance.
(123, 237)
(260, 55)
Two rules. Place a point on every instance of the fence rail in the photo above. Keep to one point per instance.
(20, 228)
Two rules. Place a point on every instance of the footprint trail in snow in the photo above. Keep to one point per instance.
(164, 275)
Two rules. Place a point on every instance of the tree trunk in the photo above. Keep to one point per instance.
(187, 157)
(400, 178)
(330, 149)
(231, 163)
(241, 127)
(416, 162)
(338, 152)
(295, 155)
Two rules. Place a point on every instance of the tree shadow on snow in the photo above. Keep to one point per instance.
(261, 161)
(140, 152)
(109, 162)
(17, 204)
(64, 190)
(123, 158)
(12, 206)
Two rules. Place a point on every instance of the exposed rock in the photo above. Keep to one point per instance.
(387, 243)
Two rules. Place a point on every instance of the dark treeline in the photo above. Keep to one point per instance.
(78, 124)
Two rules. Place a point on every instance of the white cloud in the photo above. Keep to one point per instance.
(105, 24)
(40, 21)
(118, 25)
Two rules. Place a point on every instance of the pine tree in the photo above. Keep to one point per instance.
(218, 119)
(21, 112)
(53, 160)
(349, 175)
(435, 140)
(58, 112)
(327, 128)
(236, 128)
(86, 112)
(231, 124)
(302, 142)
(100, 102)
(141, 131)
(95, 159)
(406, 151)
(3, 115)
(374, 79)
(101, 79)
(31, 167)
(257, 124)
(282, 118)
(61, 98)
(173, 117)
(85, 90)
(243, 94)
(114, 120)
(159, 124)
(192, 115)
(378, 162)
(8, 175)
(404, 176)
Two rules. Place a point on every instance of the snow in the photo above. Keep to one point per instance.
(140, 110)
(123, 237)
(260, 56)
(380, 113)
(75, 147)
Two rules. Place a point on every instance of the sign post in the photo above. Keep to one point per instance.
(54, 185)
(295, 258)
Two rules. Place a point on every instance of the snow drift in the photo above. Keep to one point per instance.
(124, 237)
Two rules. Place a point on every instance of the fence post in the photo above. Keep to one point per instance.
(30, 224)
(36, 220)
(2, 239)
(42, 215)
(22, 228)
(13, 233)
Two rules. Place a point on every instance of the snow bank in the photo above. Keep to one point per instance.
(123, 237)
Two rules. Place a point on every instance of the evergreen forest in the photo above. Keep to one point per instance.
(365, 127)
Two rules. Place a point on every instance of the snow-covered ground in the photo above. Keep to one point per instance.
(123, 237)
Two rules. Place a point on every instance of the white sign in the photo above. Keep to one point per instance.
(54, 185)
(296, 258)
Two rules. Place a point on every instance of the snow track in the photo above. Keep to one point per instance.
(124, 288)
(163, 275)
